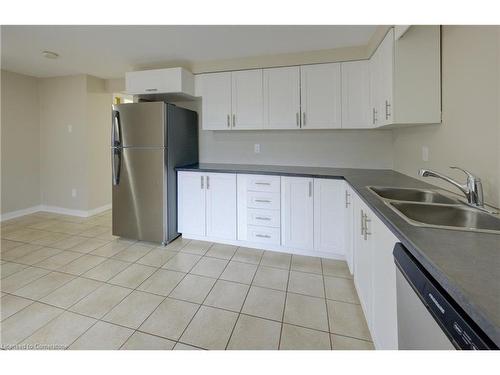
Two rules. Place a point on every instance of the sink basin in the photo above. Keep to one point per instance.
(443, 216)
(412, 195)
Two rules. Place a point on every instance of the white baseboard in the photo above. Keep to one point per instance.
(55, 210)
(19, 213)
(263, 246)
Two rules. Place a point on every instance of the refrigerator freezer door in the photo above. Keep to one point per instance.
(140, 124)
(139, 195)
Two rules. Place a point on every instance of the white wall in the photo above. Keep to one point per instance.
(326, 148)
(469, 136)
(20, 133)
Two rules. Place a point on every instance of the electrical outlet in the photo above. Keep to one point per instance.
(70, 128)
(425, 153)
(256, 148)
(73, 192)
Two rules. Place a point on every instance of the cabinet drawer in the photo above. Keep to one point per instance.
(263, 200)
(264, 235)
(266, 218)
(263, 183)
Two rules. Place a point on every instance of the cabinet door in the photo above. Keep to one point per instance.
(356, 112)
(385, 71)
(363, 259)
(349, 226)
(385, 322)
(191, 203)
(216, 100)
(282, 98)
(375, 89)
(297, 212)
(247, 99)
(221, 205)
(329, 216)
(320, 96)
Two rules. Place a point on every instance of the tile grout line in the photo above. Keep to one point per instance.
(284, 306)
(245, 299)
(326, 307)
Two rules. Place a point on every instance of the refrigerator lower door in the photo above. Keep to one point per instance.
(139, 195)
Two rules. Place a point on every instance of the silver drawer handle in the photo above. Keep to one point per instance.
(262, 218)
(263, 183)
(151, 90)
(263, 235)
(263, 201)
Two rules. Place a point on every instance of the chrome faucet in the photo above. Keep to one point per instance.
(472, 189)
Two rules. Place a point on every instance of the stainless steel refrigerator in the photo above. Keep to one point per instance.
(148, 140)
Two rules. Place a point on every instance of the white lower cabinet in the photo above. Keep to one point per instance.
(348, 218)
(207, 204)
(191, 203)
(329, 223)
(297, 213)
(375, 274)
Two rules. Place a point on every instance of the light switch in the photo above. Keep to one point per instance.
(425, 153)
(256, 148)
(70, 128)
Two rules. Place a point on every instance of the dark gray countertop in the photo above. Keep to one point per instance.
(465, 264)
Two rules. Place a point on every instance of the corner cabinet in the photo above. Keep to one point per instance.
(405, 78)
(207, 204)
(356, 95)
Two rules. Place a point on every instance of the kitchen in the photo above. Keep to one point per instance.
(289, 200)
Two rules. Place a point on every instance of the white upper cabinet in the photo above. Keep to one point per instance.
(177, 82)
(247, 100)
(320, 96)
(297, 212)
(215, 90)
(356, 113)
(282, 98)
(329, 221)
(405, 78)
(384, 72)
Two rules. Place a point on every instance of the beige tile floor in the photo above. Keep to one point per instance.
(68, 283)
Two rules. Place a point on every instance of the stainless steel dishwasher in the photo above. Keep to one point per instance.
(427, 316)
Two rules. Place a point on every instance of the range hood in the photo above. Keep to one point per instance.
(169, 84)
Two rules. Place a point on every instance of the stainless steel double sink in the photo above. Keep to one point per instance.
(429, 208)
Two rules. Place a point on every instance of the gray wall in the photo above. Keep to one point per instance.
(469, 136)
(20, 133)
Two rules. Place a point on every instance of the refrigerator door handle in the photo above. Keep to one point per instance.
(116, 130)
(116, 164)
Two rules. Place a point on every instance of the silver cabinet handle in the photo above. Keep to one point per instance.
(263, 201)
(263, 235)
(228, 121)
(366, 227)
(151, 90)
(362, 223)
(297, 119)
(374, 116)
(201, 177)
(263, 183)
(208, 182)
(303, 119)
(234, 120)
(310, 189)
(347, 195)
(262, 218)
(387, 113)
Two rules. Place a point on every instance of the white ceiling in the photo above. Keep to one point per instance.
(110, 51)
